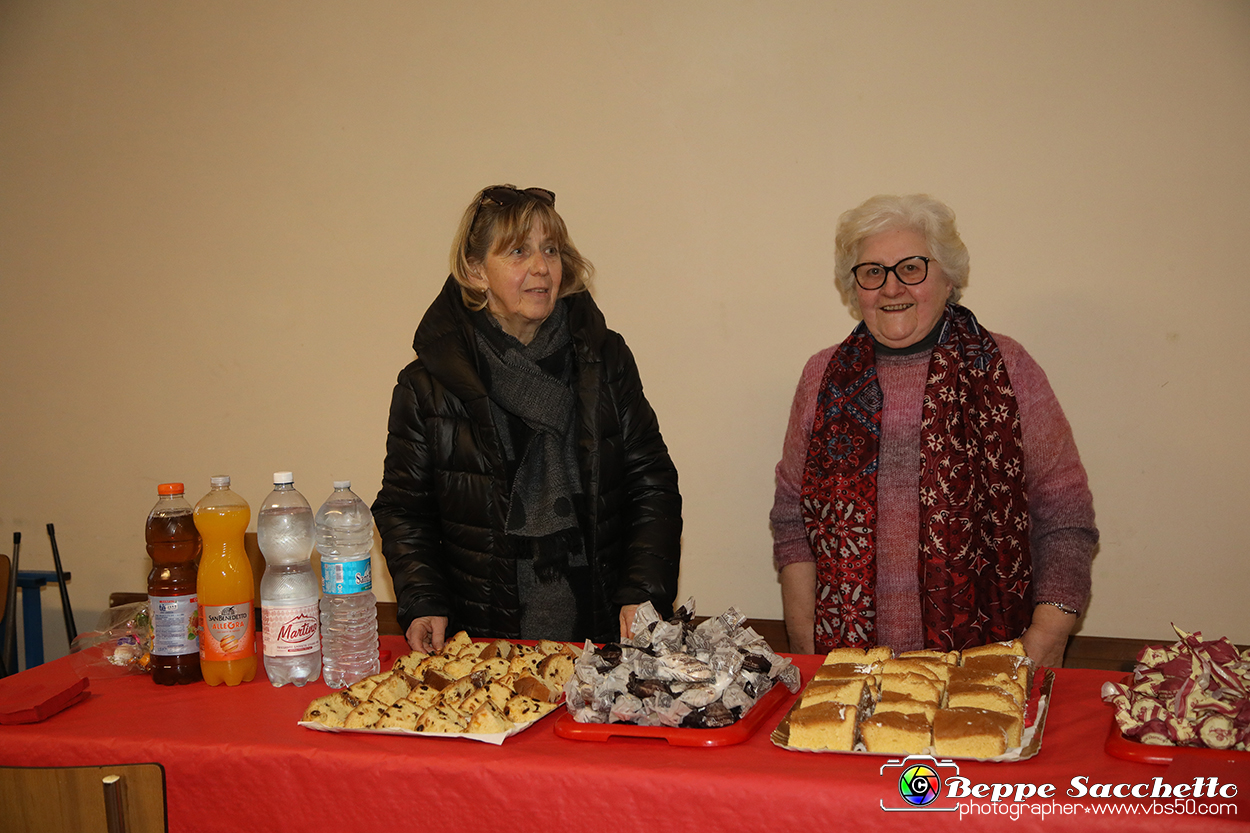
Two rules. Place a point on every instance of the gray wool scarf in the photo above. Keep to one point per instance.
(547, 476)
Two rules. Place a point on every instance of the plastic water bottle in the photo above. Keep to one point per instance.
(349, 611)
(288, 589)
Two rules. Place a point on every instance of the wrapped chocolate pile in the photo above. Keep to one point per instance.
(674, 673)
(1192, 693)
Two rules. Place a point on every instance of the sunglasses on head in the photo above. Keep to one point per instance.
(507, 195)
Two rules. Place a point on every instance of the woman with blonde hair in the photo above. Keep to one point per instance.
(930, 493)
(527, 491)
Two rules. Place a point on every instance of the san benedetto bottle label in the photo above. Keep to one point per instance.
(291, 628)
(228, 631)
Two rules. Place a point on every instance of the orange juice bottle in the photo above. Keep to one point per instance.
(225, 587)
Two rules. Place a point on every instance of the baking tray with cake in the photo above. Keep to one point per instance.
(483, 691)
(984, 703)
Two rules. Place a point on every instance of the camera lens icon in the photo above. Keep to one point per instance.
(919, 785)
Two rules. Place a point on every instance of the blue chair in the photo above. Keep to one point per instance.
(31, 583)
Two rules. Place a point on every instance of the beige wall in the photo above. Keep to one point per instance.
(221, 222)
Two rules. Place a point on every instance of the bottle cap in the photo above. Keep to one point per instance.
(169, 489)
(220, 481)
(281, 478)
(342, 484)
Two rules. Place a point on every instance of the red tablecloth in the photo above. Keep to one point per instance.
(235, 758)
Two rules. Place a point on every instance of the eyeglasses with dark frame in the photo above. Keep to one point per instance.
(909, 271)
(507, 195)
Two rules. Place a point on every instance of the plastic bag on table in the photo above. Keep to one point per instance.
(120, 644)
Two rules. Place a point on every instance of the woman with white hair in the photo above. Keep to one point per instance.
(930, 493)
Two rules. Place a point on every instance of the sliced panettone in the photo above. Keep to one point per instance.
(363, 689)
(548, 646)
(473, 700)
(331, 709)
(393, 688)
(472, 651)
(500, 648)
(491, 669)
(522, 709)
(537, 688)
(424, 695)
(499, 694)
(488, 719)
(365, 715)
(455, 693)
(458, 667)
(437, 679)
(432, 662)
(401, 715)
(525, 660)
(556, 670)
(456, 644)
(419, 694)
(441, 719)
(409, 663)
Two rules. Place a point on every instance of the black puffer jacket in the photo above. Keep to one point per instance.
(445, 493)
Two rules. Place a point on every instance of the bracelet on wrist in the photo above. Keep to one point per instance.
(1071, 611)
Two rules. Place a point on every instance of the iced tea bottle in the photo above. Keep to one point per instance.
(174, 545)
(226, 589)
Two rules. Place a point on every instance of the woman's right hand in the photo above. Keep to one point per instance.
(427, 634)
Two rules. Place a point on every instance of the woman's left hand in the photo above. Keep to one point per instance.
(627, 621)
(1047, 638)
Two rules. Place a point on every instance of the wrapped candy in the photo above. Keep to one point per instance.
(1193, 693)
(673, 673)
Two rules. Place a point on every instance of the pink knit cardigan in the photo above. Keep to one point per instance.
(1061, 509)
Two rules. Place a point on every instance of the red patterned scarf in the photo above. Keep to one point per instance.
(974, 566)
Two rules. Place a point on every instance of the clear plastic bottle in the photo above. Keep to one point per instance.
(174, 545)
(349, 611)
(288, 589)
(225, 588)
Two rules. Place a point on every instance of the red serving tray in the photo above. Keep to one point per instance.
(567, 727)
(1149, 753)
